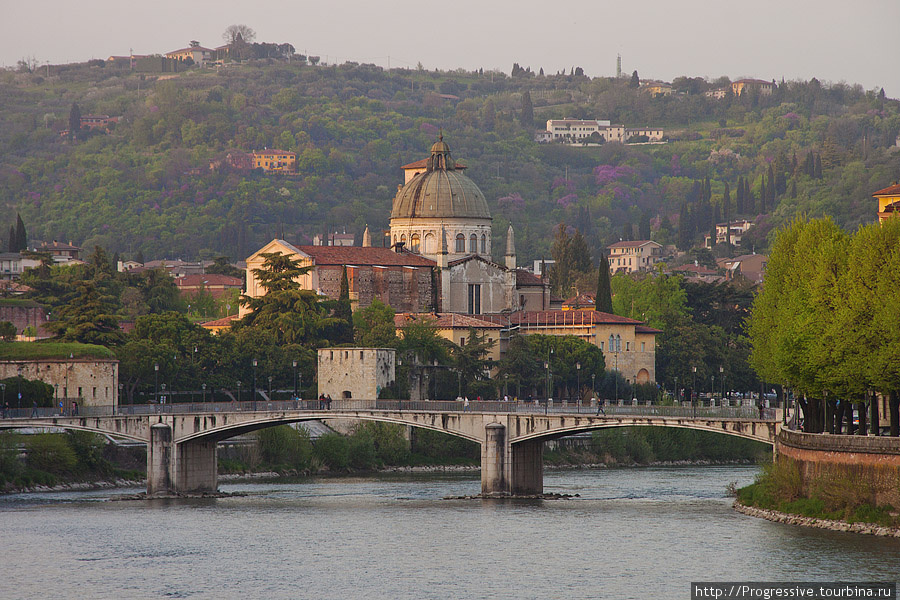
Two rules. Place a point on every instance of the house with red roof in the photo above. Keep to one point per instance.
(888, 201)
(217, 285)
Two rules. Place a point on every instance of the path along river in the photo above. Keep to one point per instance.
(632, 533)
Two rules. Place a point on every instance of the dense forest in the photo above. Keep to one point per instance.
(146, 185)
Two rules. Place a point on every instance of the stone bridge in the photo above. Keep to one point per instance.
(182, 438)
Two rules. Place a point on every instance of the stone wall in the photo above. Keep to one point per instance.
(25, 316)
(871, 463)
(92, 380)
(359, 372)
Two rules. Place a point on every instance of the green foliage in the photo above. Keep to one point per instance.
(373, 326)
(285, 447)
(644, 445)
(8, 331)
(31, 390)
(334, 451)
(48, 349)
(51, 453)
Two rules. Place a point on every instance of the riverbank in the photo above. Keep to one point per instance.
(833, 525)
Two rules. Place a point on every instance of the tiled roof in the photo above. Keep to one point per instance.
(645, 329)
(224, 322)
(56, 246)
(208, 279)
(700, 270)
(524, 278)
(190, 49)
(267, 152)
(582, 299)
(569, 317)
(357, 255)
(633, 244)
(889, 191)
(460, 261)
(445, 321)
(421, 164)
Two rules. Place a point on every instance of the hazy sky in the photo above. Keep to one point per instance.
(834, 40)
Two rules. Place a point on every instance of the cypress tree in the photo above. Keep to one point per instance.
(818, 168)
(627, 232)
(684, 228)
(644, 226)
(749, 204)
(739, 195)
(12, 239)
(527, 118)
(21, 235)
(603, 299)
(74, 122)
(726, 213)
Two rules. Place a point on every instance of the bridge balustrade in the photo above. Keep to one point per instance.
(342, 405)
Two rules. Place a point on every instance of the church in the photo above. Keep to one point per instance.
(440, 255)
(440, 261)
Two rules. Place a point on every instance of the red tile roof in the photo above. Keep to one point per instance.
(889, 191)
(699, 269)
(446, 321)
(357, 255)
(224, 322)
(269, 151)
(208, 279)
(525, 278)
(569, 317)
(645, 329)
(584, 300)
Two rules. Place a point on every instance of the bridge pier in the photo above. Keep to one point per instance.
(185, 468)
(510, 469)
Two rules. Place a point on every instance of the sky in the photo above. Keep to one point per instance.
(832, 40)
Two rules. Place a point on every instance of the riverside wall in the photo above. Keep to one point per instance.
(868, 463)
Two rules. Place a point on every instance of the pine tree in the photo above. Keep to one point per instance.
(139, 257)
(627, 232)
(818, 168)
(739, 195)
(343, 310)
(603, 299)
(635, 80)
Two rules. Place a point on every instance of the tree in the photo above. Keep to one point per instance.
(8, 331)
(471, 359)
(373, 326)
(238, 38)
(21, 235)
(88, 319)
(635, 80)
(74, 122)
(603, 298)
(291, 314)
(644, 226)
(572, 258)
(527, 116)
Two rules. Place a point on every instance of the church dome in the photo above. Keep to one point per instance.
(441, 191)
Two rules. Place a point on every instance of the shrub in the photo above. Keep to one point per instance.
(285, 447)
(333, 450)
(50, 452)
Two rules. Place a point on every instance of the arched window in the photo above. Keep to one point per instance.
(483, 244)
(473, 244)
(460, 243)
(414, 242)
(618, 343)
(403, 239)
(429, 243)
(612, 343)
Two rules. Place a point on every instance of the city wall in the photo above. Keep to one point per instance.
(870, 464)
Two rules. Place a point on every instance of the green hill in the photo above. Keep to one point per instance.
(147, 185)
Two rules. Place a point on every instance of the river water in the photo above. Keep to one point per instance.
(631, 533)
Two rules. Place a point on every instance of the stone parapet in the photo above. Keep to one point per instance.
(868, 444)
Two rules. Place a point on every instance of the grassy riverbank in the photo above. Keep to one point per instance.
(779, 487)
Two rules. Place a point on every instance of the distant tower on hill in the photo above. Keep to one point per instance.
(618, 66)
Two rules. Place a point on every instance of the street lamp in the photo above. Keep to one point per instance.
(203, 386)
(239, 394)
(578, 385)
(593, 385)
(119, 402)
(254, 384)
(693, 390)
(3, 400)
(677, 395)
(156, 377)
(294, 364)
(722, 377)
(712, 388)
(270, 388)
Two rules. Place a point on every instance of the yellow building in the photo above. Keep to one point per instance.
(765, 87)
(888, 201)
(456, 328)
(280, 161)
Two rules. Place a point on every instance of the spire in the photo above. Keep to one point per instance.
(510, 249)
(442, 256)
(367, 238)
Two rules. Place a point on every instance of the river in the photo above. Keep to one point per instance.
(631, 533)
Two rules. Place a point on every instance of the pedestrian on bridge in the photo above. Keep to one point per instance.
(600, 407)
(466, 404)
(34, 411)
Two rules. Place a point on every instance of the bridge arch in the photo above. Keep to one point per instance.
(751, 430)
(80, 425)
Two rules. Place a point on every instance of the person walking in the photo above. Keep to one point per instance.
(466, 403)
(600, 408)
(34, 410)
(74, 408)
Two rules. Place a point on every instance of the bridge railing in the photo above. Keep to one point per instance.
(350, 405)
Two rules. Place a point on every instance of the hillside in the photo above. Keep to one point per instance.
(147, 185)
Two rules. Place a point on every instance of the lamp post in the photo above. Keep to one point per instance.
(594, 386)
(156, 378)
(239, 394)
(3, 400)
(162, 386)
(578, 385)
(253, 398)
(55, 396)
(270, 388)
(677, 397)
(294, 364)
(693, 390)
(712, 388)
(119, 399)
(203, 387)
(722, 379)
